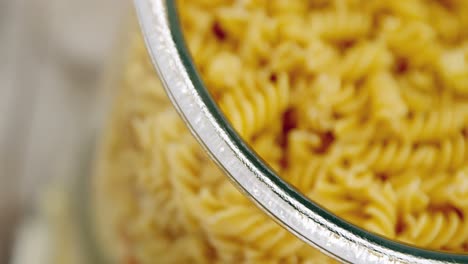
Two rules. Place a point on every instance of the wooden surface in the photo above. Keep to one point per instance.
(52, 54)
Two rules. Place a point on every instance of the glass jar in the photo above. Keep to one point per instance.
(121, 190)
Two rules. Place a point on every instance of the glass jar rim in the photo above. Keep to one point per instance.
(316, 226)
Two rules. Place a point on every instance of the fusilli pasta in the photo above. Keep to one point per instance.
(362, 105)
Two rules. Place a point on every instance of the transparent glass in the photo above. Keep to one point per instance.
(304, 218)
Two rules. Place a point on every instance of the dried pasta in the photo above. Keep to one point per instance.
(360, 104)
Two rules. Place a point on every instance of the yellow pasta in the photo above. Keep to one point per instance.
(362, 105)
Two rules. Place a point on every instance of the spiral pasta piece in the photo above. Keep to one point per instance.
(246, 224)
(412, 196)
(457, 191)
(363, 59)
(387, 103)
(250, 112)
(382, 211)
(394, 156)
(435, 124)
(437, 230)
(340, 25)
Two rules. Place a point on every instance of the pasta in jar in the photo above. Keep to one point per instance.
(362, 105)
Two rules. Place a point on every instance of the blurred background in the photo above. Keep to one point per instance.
(52, 56)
